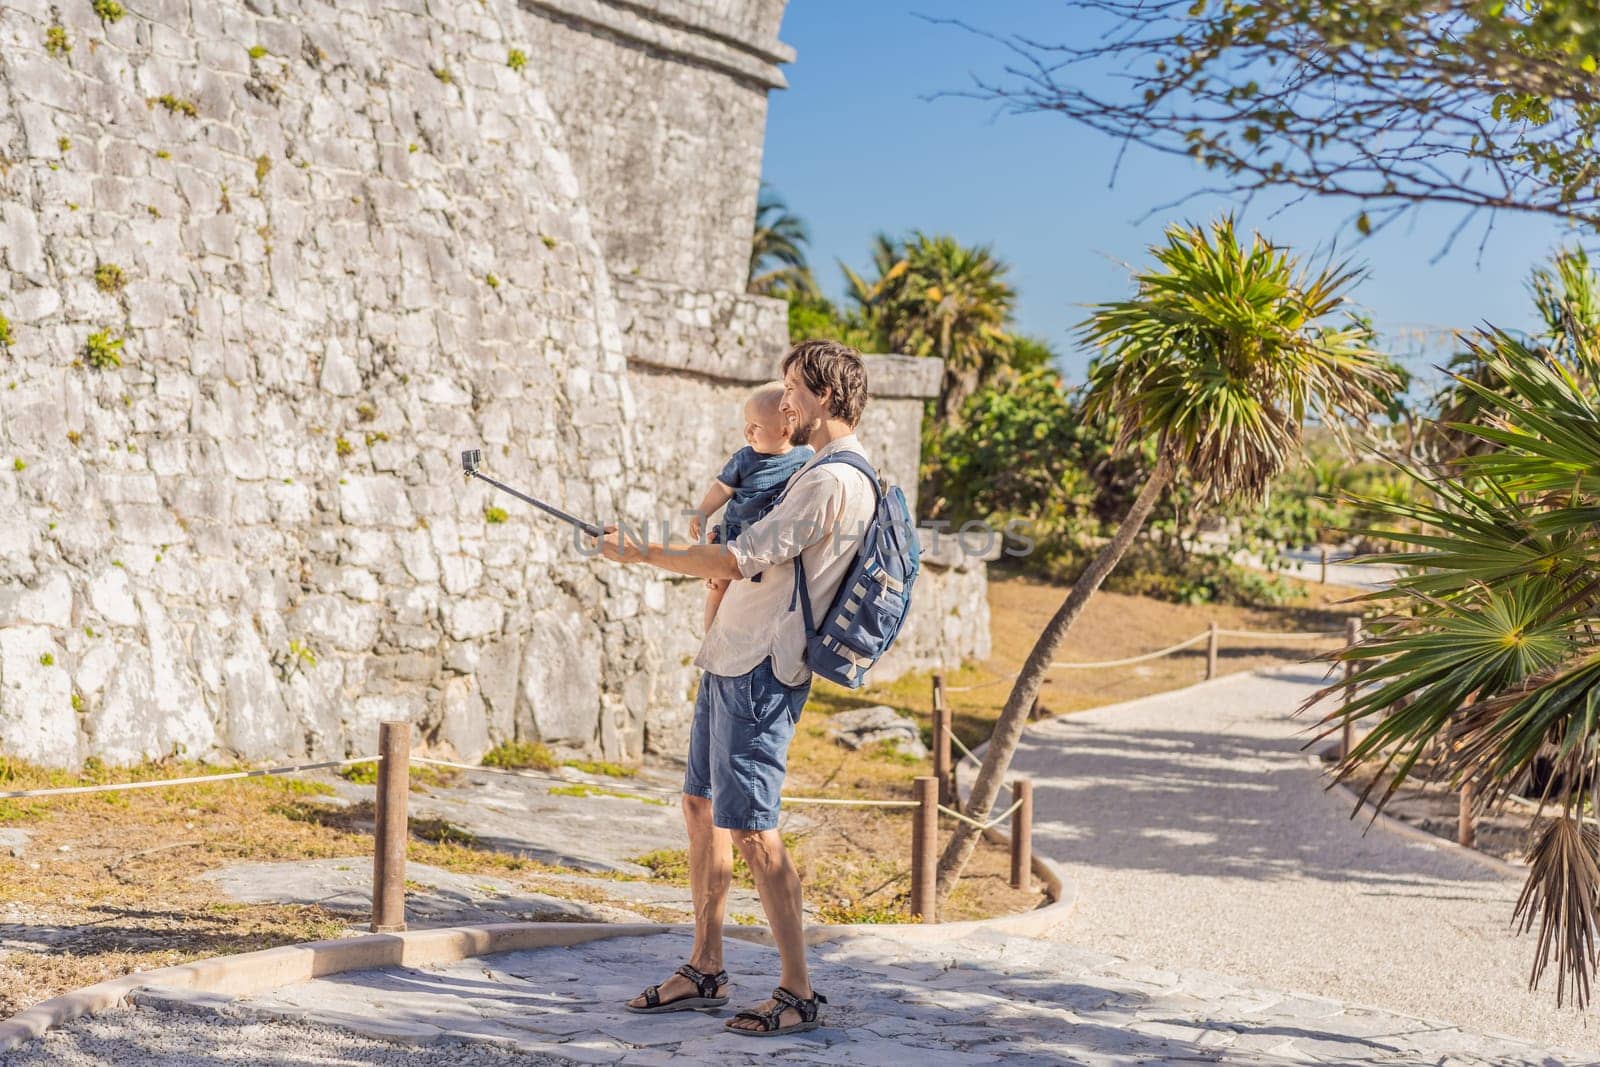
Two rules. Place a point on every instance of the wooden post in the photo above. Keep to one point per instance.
(389, 828)
(1324, 564)
(1211, 652)
(943, 767)
(1466, 828)
(1022, 834)
(1347, 736)
(925, 849)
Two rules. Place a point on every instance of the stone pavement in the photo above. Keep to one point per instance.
(982, 999)
(1200, 836)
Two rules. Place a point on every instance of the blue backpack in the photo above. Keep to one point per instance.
(875, 596)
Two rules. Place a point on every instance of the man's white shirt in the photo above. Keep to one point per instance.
(821, 519)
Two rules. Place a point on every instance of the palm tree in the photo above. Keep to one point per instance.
(777, 249)
(1488, 655)
(1220, 358)
(1566, 294)
(937, 297)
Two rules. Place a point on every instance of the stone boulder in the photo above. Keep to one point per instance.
(860, 727)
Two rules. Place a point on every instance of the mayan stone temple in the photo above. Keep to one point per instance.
(285, 261)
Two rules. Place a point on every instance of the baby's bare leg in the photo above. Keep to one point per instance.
(715, 588)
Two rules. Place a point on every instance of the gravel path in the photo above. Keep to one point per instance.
(131, 1037)
(1199, 836)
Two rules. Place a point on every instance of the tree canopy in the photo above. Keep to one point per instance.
(1485, 104)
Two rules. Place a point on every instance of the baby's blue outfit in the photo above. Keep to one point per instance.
(757, 480)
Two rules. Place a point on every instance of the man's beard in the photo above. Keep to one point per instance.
(801, 434)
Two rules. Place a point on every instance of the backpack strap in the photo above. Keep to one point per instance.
(859, 462)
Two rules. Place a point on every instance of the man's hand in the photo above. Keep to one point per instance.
(612, 546)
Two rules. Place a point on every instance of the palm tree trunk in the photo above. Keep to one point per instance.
(1008, 729)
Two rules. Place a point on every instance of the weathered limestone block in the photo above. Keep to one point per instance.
(332, 622)
(559, 680)
(465, 725)
(37, 721)
(375, 501)
(256, 722)
(48, 604)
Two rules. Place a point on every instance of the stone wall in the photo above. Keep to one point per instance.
(269, 265)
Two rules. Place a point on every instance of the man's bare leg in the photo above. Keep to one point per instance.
(710, 873)
(778, 882)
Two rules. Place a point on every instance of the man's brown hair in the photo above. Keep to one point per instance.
(835, 367)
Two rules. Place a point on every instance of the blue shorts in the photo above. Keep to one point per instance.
(739, 745)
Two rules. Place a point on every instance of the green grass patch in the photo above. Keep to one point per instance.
(443, 832)
(605, 767)
(846, 914)
(176, 105)
(108, 277)
(521, 756)
(495, 516)
(579, 789)
(420, 776)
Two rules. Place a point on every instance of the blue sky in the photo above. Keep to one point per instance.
(855, 147)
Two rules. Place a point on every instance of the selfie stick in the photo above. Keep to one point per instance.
(469, 465)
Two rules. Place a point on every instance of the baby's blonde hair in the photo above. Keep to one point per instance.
(767, 398)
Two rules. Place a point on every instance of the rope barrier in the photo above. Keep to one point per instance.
(1157, 654)
(980, 685)
(851, 803)
(1169, 650)
(843, 803)
(981, 826)
(1304, 636)
(956, 741)
(121, 787)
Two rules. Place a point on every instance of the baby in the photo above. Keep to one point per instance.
(752, 479)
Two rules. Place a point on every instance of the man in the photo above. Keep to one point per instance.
(754, 684)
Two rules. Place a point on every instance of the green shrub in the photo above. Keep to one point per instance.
(102, 351)
(516, 59)
(258, 51)
(494, 282)
(47, 660)
(18, 465)
(5, 331)
(343, 447)
(108, 10)
(494, 516)
(444, 75)
(263, 166)
(64, 144)
(56, 41)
